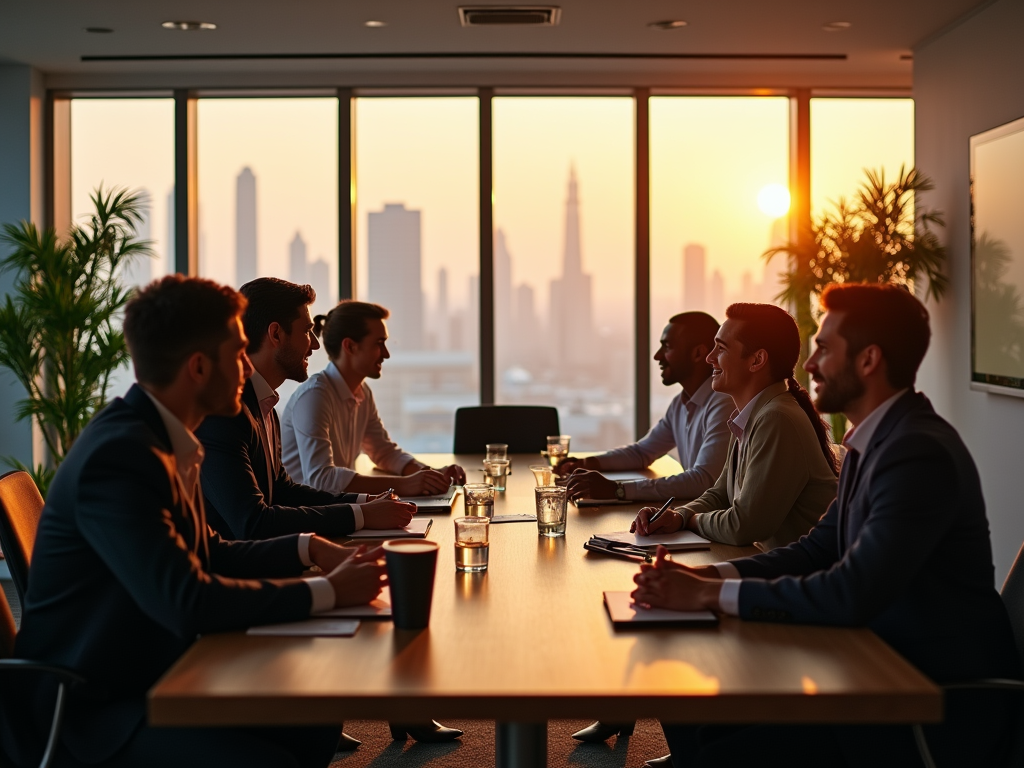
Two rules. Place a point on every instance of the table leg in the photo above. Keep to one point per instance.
(521, 745)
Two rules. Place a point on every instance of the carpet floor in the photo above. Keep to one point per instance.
(476, 748)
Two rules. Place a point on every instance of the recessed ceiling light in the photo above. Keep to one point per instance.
(668, 24)
(99, 30)
(188, 26)
(374, 24)
(836, 26)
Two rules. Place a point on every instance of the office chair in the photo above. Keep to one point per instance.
(524, 427)
(1013, 597)
(21, 506)
(10, 666)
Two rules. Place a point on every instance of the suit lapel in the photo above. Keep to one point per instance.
(252, 407)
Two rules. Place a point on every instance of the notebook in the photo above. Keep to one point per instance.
(379, 609)
(625, 614)
(440, 504)
(315, 627)
(680, 541)
(513, 519)
(417, 529)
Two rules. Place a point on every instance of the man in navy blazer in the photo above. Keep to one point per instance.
(904, 550)
(125, 572)
(249, 493)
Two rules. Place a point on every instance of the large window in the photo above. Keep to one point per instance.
(563, 261)
(268, 195)
(719, 171)
(128, 144)
(417, 229)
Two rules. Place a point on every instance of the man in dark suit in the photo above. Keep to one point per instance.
(904, 551)
(125, 572)
(249, 494)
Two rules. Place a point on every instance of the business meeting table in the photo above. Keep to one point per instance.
(530, 640)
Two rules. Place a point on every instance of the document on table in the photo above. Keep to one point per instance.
(315, 627)
(625, 614)
(513, 519)
(442, 503)
(680, 541)
(417, 529)
(379, 609)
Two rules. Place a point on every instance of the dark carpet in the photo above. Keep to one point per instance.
(476, 748)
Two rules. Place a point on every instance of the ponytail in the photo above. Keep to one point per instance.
(348, 320)
(820, 429)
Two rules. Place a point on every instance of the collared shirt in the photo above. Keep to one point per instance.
(738, 421)
(696, 427)
(858, 439)
(326, 426)
(188, 457)
(268, 398)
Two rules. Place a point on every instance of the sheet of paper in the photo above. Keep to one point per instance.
(417, 529)
(678, 541)
(623, 610)
(378, 609)
(316, 627)
(441, 498)
(513, 519)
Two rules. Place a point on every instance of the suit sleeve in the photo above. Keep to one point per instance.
(134, 528)
(269, 558)
(229, 484)
(817, 550)
(911, 508)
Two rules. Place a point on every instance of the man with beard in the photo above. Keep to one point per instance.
(126, 574)
(695, 424)
(904, 550)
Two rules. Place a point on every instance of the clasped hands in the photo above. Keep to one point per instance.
(678, 587)
(357, 575)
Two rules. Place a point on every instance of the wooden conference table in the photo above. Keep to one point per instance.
(529, 640)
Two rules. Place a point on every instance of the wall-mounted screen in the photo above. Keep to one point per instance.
(997, 259)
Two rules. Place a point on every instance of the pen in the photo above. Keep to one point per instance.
(391, 492)
(661, 511)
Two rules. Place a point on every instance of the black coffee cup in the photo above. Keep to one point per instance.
(411, 564)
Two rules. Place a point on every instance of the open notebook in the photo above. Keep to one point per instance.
(440, 504)
(680, 541)
(625, 614)
(417, 529)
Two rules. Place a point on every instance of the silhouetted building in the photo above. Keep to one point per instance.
(394, 254)
(297, 266)
(441, 319)
(504, 329)
(716, 296)
(246, 268)
(571, 313)
(139, 269)
(318, 274)
(694, 263)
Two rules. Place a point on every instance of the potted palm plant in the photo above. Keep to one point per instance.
(880, 237)
(60, 329)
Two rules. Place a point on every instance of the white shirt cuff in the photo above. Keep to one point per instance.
(304, 549)
(323, 594)
(362, 498)
(727, 571)
(729, 597)
(357, 513)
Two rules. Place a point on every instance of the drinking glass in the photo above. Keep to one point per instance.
(551, 510)
(472, 546)
(558, 448)
(479, 499)
(495, 472)
(497, 451)
(543, 474)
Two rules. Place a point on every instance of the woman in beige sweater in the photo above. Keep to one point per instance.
(780, 474)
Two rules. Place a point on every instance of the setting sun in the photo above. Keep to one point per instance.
(773, 200)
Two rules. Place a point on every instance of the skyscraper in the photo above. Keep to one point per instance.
(245, 228)
(571, 315)
(297, 266)
(442, 317)
(139, 270)
(393, 239)
(694, 260)
(716, 296)
(318, 274)
(504, 331)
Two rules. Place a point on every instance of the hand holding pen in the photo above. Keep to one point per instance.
(650, 521)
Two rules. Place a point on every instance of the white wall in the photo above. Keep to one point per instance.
(967, 80)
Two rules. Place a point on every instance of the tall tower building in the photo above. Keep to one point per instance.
(318, 274)
(504, 332)
(694, 296)
(139, 270)
(393, 237)
(442, 315)
(716, 296)
(298, 268)
(571, 313)
(245, 227)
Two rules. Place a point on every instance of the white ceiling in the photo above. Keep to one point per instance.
(50, 35)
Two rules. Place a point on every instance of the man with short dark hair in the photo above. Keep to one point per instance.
(126, 574)
(694, 424)
(904, 550)
(248, 489)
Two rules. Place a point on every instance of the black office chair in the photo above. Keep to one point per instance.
(21, 506)
(524, 427)
(1013, 597)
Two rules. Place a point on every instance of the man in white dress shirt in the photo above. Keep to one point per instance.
(694, 424)
(332, 417)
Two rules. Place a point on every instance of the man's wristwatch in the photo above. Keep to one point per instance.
(620, 491)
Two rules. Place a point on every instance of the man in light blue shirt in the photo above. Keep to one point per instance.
(695, 424)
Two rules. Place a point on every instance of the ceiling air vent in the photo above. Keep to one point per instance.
(519, 15)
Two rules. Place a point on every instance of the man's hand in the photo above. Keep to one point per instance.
(667, 585)
(328, 555)
(386, 513)
(455, 475)
(426, 482)
(360, 578)
(570, 464)
(587, 484)
(670, 522)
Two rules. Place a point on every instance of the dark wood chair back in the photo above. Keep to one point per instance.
(21, 506)
(524, 427)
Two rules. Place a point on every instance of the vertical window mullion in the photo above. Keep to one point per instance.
(347, 190)
(487, 367)
(186, 185)
(642, 271)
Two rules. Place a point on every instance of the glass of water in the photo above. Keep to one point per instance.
(496, 471)
(551, 510)
(558, 448)
(497, 451)
(479, 499)
(472, 545)
(543, 474)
